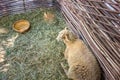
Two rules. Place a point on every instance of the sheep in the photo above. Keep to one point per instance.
(82, 63)
(48, 17)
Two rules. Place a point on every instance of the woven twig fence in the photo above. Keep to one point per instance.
(19, 6)
(99, 23)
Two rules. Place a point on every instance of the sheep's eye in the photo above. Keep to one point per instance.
(63, 37)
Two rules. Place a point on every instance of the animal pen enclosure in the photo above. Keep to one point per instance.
(97, 21)
(20, 6)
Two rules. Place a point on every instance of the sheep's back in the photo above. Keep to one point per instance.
(80, 56)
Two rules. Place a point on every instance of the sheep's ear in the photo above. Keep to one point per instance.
(66, 28)
(45, 14)
(63, 36)
(66, 37)
(71, 36)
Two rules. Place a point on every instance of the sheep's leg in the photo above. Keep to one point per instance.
(74, 73)
(65, 70)
(71, 73)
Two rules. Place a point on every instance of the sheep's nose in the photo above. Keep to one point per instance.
(57, 39)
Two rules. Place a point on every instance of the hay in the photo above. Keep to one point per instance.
(36, 55)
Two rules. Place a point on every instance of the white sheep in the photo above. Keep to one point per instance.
(82, 63)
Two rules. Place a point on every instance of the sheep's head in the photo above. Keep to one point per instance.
(66, 36)
(49, 17)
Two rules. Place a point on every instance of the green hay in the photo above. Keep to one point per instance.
(36, 54)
